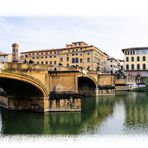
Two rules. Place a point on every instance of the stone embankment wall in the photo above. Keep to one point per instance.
(121, 85)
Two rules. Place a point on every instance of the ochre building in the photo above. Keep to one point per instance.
(136, 61)
(75, 54)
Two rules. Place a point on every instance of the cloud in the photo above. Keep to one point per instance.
(111, 34)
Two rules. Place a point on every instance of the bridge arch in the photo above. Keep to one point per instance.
(26, 86)
(87, 85)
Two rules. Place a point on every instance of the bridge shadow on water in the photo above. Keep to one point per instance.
(94, 110)
(95, 113)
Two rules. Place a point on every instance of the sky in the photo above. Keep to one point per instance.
(105, 25)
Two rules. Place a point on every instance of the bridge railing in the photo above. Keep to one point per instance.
(31, 67)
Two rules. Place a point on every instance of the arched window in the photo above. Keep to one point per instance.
(144, 66)
(133, 67)
(144, 59)
(132, 59)
(127, 67)
(138, 66)
(61, 59)
(138, 58)
(127, 59)
(73, 60)
(76, 60)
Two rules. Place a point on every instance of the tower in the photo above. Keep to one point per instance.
(15, 47)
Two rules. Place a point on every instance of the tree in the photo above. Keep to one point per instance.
(146, 82)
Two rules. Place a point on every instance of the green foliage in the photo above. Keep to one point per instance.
(146, 82)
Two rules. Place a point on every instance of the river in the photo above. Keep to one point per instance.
(126, 113)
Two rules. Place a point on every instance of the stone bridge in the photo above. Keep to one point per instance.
(29, 86)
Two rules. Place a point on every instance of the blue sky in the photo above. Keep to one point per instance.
(110, 34)
(44, 24)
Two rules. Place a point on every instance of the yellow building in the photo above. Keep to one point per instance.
(136, 61)
(75, 54)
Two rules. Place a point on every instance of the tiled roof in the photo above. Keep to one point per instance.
(2, 54)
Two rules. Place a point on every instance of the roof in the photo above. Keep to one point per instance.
(3, 54)
(48, 50)
(15, 45)
(135, 48)
(57, 49)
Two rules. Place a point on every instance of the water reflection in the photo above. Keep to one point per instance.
(124, 113)
(94, 110)
(136, 113)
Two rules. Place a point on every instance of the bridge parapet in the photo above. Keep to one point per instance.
(33, 67)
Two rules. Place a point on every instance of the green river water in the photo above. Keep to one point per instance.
(126, 113)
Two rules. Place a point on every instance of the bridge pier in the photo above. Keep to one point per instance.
(30, 104)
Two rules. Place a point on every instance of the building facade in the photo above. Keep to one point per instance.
(136, 61)
(113, 65)
(3, 57)
(75, 54)
(15, 56)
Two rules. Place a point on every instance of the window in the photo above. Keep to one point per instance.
(61, 59)
(55, 62)
(132, 59)
(138, 58)
(127, 67)
(144, 59)
(67, 58)
(76, 60)
(73, 60)
(50, 62)
(127, 59)
(88, 59)
(138, 67)
(132, 66)
(81, 60)
(144, 67)
(80, 54)
(46, 62)
(42, 62)
(88, 53)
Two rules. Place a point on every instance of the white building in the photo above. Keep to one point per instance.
(3, 57)
(113, 65)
